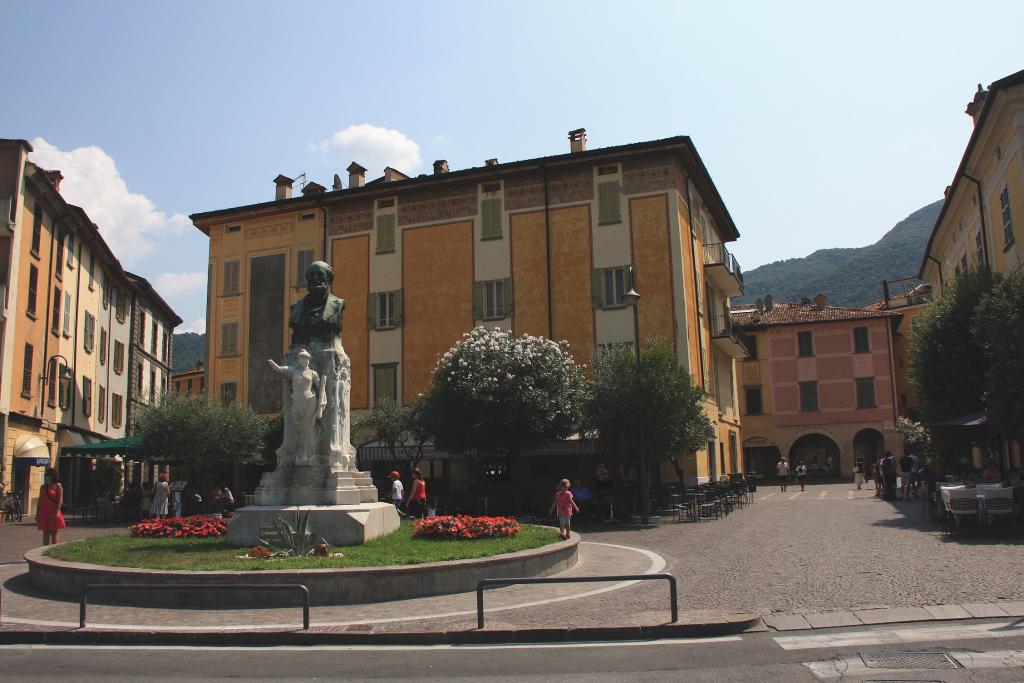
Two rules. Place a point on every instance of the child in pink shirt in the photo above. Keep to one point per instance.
(563, 505)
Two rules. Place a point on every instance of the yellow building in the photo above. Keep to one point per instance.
(983, 212)
(542, 246)
(190, 382)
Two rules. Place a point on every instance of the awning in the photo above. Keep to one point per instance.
(126, 447)
(376, 451)
(67, 437)
(31, 451)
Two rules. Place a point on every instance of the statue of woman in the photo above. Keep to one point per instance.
(309, 396)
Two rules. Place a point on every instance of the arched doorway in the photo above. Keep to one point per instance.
(760, 455)
(866, 443)
(818, 452)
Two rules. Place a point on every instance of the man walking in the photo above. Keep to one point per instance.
(782, 468)
(906, 474)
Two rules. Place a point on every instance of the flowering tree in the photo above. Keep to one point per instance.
(914, 434)
(497, 393)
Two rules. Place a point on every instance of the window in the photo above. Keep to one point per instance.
(307, 217)
(142, 327)
(608, 204)
(152, 386)
(118, 357)
(861, 344)
(89, 332)
(55, 315)
(86, 396)
(231, 278)
(103, 346)
(37, 229)
(808, 396)
(385, 203)
(138, 380)
(165, 346)
(101, 409)
(53, 372)
(866, 393)
(92, 270)
(386, 233)
(750, 342)
(70, 241)
(122, 306)
(228, 392)
(385, 382)
(610, 286)
(491, 187)
(67, 314)
(26, 373)
(492, 300)
(115, 410)
(104, 290)
(59, 267)
(229, 339)
(234, 228)
(610, 169)
(805, 344)
(979, 252)
(154, 335)
(1004, 204)
(33, 282)
(490, 219)
(753, 400)
(384, 310)
(305, 257)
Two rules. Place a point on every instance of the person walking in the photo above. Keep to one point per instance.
(564, 504)
(161, 494)
(782, 469)
(416, 503)
(906, 475)
(397, 490)
(858, 472)
(801, 475)
(888, 468)
(49, 518)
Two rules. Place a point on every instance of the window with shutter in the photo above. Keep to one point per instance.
(228, 392)
(33, 283)
(808, 396)
(385, 233)
(753, 400)
(231, 271)
(101, 407)
(103, 346)
(115, 410)
(1004, 205)
(490, 210)
(26, 372)
(866, 393)
(494, 300)
(861, 343)
(385, 382)
(86, 396)
(55, 315)
(229, 339)
(805, 344)
(608, 205)
(305, 257)
(67, 314)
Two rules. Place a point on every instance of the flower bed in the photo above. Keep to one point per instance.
(181, 527)
(463, 527)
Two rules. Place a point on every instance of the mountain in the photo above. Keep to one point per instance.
(188, 349)
(849, 276)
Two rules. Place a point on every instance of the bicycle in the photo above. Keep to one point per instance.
(12, 506)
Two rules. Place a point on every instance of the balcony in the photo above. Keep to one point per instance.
(722, 269)
(726, 336)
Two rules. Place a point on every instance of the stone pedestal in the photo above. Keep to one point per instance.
(338, 524)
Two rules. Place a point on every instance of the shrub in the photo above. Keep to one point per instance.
(180, 527)
(463, 527)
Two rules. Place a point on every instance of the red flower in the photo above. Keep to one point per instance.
(180, 527)
(465, 527)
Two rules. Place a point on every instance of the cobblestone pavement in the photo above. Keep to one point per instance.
(16, 538)
(823, 550)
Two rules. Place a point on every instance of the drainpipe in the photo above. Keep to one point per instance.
(696, 281)
(324, 212)
(984, 227)
(547, 246)
(74, 332)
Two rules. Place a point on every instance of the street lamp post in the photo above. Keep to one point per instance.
(632, 299)
(64, 378)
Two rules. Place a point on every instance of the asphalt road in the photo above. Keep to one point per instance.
(987, 651)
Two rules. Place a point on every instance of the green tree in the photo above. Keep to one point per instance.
(395, 426)
(661, 400)
(494, 393)
(200, 435)
(998, 329)
(948, 367)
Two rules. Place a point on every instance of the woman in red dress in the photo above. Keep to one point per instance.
(49, 519)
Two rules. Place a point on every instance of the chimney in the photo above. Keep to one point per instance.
(490, 162)
(578, 140)
(313, 188)
(356, 175)
(759, 305)
(768, 302)
(393, 174)
(284, 187)
(440, 166)
(821, 300)
(54, 177)
(975, 106)
(337, 182)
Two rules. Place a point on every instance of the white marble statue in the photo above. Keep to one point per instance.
(308, 399)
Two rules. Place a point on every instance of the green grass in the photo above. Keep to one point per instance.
(209, 554)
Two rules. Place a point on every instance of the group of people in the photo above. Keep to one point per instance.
(782, 468)
(414, 504)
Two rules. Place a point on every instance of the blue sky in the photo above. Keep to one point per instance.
(822, 124)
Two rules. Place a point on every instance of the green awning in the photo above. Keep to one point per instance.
(127, 447)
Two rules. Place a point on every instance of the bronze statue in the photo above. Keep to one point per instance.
(317, 318)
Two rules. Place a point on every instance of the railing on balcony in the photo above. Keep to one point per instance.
(721, 326)
(717, 254)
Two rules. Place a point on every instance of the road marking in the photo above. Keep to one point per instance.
(766, 497)
(822, 495)
(406, 648)
(658, 563)
(1002, 629)
(853, 667)
(795, 495)
(849, 495)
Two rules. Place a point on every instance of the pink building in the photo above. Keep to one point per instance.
(818, 386)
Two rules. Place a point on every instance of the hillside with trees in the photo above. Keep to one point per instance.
(848, 276)
(189, 348)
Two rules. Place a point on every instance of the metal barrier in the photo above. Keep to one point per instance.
(484, 583)
(195, 586)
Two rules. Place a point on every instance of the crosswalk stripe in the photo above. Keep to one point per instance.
(907, 634)
(822, 495)
(795, 496)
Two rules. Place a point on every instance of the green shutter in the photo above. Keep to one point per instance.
(385, 233)
(490, 210)
(608, 210)
(509, 298)
(371, 311)
(597, 287)
(478, 301)
(398, 308)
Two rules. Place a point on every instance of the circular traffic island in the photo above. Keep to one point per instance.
(393, 567)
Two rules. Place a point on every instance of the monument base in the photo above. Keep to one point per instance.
(337, 524)
(316, 485)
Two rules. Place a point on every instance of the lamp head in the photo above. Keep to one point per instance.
(631, 298)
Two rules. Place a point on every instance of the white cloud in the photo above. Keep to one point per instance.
(198, 326)
(180, 285)
(373, 147)
(130, 222)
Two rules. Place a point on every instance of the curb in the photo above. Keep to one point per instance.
(729, 625)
